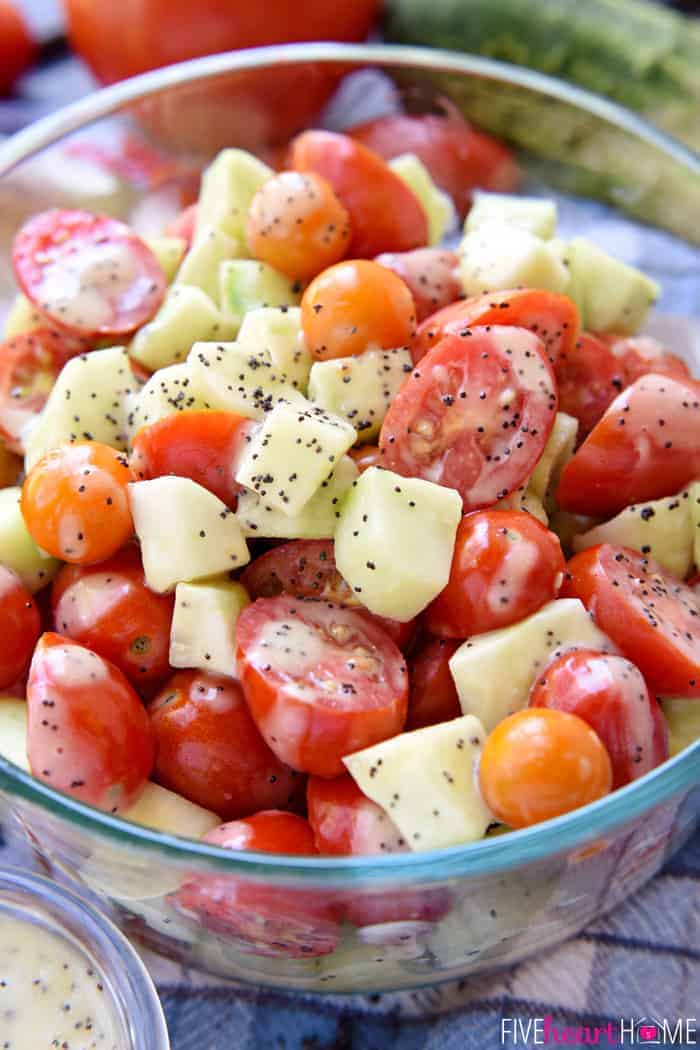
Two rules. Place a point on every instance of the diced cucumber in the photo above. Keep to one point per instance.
(200, 267)
(169, 251)
(427, 782)
(23, 317)
(18, 551)
(663, 529)
(534, 214)
(558, 450)
(295, 449)
(683, 718)
(316, 520)
(611, 296)
(438, 206)
(276, 331)
(203, 631)
(245, 284)
(524, 498)
(497, 256)
(170, 813)
(13, 732)
(88, 401)
(228, 187)
(186, 532)
(237, 379)
(494, 672)
(394, 541)
(186, 317)
(360, 389)
(694, 497)
(169, 390)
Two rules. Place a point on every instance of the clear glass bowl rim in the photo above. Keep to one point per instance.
(479, 858)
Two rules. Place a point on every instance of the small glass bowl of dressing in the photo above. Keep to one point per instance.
(69, 980)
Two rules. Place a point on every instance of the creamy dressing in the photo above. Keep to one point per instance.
(50, 996)
(89, 599)
(289, 646)
(81, 291)
(72, 663)
(519, 561)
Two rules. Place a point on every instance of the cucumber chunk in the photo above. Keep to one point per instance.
(170, 813)
(23, 317)
(186, 532)
(228, 187)
(200, 267)
(169, 251)
(13, 732)
(235, 378)
(524, 498)
(611, 296)
(533, 214)
(245, 284)
(186, 317)
(360, 389)
(694, 498)
(18, 551)
(683, 718)
(203, 631)
(497, 256)
(169, 390)
(427, 782)
(394, 541)
(557, 452)
(276, 332)
(438, 206)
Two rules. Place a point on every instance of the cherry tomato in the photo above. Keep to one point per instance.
(18, 48)
(20, 626)
(646, 446)
(433, 696)
(208, 749)
(88, 732)
(270, 920)
(540, 763)
(505, 566)
(345, 821)
(307, 569)
(651, 616)
(297, 224)
(75, 502)
(609, 693)
(201, 445)
(109, 608)
(88, 273)
(320, 680)
(385, 215)
(366, 456)
(10, 467)
(553, 318)
(475, 415)
(459, 158)
(589, 378)
(183, 225)
(431, 275)
(694, 584)
(29, 366)
(355, 306)
(638, 355)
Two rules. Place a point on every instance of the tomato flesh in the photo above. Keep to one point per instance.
(20, 626)
(431, 274)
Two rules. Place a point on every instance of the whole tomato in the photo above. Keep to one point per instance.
(18, 49)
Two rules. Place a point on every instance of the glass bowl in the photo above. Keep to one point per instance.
(397, 921)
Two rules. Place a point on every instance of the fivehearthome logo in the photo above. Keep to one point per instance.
(627, 1031)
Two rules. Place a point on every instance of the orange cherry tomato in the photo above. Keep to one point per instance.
(540, 763)
(75, 502)
(297, 224)
(20, 626)
(355, 306)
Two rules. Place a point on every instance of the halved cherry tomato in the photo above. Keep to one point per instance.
(589, 378)
(209, 750)
(355, 306)
(539, 763)
(344, 821)
(183, 225)
(29, 366)
(610, 694)
(75, 502)
(321, 681)
(307, 569)
(297, 224)
(553, 318)
(385, 215)
(89, 273)
(459, 158)
(269, 920)
(505, 566)
(366, 456)
(646, 446)
(109, 608)
(638, 355)
(429, 273)
(475, 415)
(88, 732)
(433, 696)
(653, 617)
(20, 626)
(201, 445)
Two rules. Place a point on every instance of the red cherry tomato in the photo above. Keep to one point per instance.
(366, 456)
(475, 414)
(345, 821)
(609, 693)
(18, 48)
(89, 273)
(589, 378)
(433, 696)
(109, 608)
(651, 616)
(694, 584)
(553, 318)
(385, 215)
(459, 158)
(646, 446)
(88, 732)
(321, 681)
(203, 446)
(208, 749)
(269, 920)
(20, 626)
(431, 275)
(505, 566)
(183, 225)
(638, 355)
